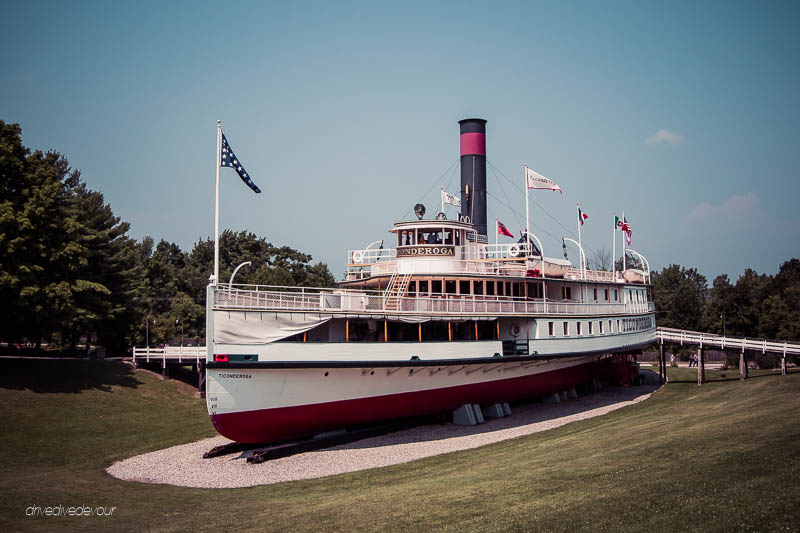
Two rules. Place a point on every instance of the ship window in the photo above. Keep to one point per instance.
(579, 328)
(601, 326)
(464, 288)
(550, 328)
(590, 328)
(616, 295)
(436, 286)
(618, 330)
(595, 295)
(606, 294)
(490, 288)
(566, 328)
(422, 287)
(450, 286)
(478, 287)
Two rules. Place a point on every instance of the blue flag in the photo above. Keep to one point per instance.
(229, 159)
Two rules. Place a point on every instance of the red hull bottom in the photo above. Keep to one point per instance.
(285, 423)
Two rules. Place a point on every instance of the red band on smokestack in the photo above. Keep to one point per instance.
(473, 144)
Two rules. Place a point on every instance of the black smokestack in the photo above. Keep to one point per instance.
(473, 173)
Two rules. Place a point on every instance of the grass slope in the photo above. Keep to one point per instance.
(714, 458)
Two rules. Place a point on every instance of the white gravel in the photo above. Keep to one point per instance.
(184, 465)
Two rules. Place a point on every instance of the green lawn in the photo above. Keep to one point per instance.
(719, 457)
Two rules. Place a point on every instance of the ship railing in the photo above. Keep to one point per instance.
(593, 275)
(369, 256)
(478, 267)
(343, 300)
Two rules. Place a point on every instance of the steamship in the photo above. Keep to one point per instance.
(441, 320)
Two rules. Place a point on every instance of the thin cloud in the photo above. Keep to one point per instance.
(737, 208)
(663, 136)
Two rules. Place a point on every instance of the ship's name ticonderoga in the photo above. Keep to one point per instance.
(236, 376)
(426, 250)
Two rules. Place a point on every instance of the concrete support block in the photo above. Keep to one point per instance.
(572, 393)
(552, 398)
(478, 413)
(493, 411)
(563, 395)
(464, 416)
(507, 409)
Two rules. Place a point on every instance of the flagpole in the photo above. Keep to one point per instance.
(441, 196)
(496, 233)
(578, 212)
(614, 248)
(624, 267)
(527, 215)
(216, 207)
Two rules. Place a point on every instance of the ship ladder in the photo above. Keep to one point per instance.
(397, 289)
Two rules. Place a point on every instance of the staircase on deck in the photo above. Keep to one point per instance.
(395, 291)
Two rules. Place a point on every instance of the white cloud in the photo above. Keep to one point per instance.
(737, 208)
(665, 136)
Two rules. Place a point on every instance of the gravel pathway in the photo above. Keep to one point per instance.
(184, 465)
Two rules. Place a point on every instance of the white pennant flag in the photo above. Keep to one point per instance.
(451, 199)
(537, 181)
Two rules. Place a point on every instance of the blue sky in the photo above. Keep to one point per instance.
(684, 114)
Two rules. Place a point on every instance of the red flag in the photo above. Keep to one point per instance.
(503, 230)
(581, 216)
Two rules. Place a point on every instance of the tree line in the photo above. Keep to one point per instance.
(70, 275)
(756, 305)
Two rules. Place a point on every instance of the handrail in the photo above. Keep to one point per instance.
(335, 300)
(726, 341)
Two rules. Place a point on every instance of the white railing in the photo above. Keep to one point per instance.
(370, 255)
(342, 300)
(594, 275)
(727, 341)
(194, 354)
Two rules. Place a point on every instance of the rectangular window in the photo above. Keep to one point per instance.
(610, 327)
(550, 328)
(579, 328)
(590, 328)
(618, 330)
(606, 294)
(616, 295)
(601, 327)
(595, 294)
(566, 328)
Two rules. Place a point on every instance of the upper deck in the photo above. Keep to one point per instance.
(431, 247)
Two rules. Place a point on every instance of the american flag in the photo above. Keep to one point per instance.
(229, 159)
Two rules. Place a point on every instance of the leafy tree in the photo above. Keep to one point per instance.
(680, 297)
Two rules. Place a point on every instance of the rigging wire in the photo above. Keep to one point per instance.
(519, 221)
(571, 234)
(438, 180)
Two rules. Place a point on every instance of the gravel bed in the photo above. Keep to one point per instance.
(184, 465)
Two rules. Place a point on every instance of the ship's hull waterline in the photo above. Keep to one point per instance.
(273, 404)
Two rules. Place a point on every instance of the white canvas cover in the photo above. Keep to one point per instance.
(256, 327)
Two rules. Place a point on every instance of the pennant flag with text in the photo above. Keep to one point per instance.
(537, 181)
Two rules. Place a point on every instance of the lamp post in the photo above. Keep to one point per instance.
(147, 331)
(722, 316)
(181, 323)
